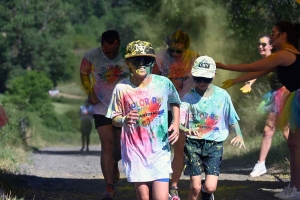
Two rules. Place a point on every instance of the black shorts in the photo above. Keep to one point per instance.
(101, 120)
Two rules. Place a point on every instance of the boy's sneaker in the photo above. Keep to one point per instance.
(109, 193)
(286, 190)
(116, 173)
(259, 169)
(292, 194)
(207, 196)
(173, 193)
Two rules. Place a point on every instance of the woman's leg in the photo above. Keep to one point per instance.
(294, 148)
(267, 137)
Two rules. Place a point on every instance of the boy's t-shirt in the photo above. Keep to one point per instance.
(145, 148)
(105, 75)
(208, 115)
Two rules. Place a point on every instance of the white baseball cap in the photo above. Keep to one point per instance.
(204, 66)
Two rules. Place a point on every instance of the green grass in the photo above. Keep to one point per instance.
(61, 108)
(73, 88)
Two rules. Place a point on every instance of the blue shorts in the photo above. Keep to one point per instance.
(163, 180)
(202, 155)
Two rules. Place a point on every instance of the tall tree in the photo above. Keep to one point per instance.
(37, 35)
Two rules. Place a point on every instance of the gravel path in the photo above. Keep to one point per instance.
(66, 173)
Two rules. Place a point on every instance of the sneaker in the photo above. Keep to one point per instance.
(173, 193)
(116, 173)
(109, 193)
(205, 195)
(259, 169)
(292, 194)
(286, 190)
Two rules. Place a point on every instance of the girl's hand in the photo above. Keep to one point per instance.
(131, 117)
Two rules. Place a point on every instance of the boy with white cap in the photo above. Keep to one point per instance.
(206, 112)
(139, 105)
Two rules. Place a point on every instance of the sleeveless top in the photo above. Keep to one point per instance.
(275, 84)
(289, 75)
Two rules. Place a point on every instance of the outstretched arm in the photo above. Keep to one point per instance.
(244, 78)
(267, 63)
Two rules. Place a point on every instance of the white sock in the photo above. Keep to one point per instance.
(262, 162)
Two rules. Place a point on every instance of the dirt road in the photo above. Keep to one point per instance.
(64, 173)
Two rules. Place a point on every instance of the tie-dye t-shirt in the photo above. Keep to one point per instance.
(105, 75)
(211, 116)
(179, 70)
(145, 148)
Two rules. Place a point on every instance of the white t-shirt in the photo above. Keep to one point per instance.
(145, 148)
(208, 115)
(106, 73)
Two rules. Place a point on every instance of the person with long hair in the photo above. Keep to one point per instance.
(286, 61)
(272, 104)
(176, 63)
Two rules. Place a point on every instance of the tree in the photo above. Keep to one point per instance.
(37, 36)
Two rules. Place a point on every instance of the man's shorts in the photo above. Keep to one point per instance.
(101, 120)
(202, 155)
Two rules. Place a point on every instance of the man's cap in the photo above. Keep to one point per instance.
(139, 48)
(204, 66)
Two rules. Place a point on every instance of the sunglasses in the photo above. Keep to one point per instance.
(202, 79)
(175, 50)
(142, 61)
(262, 44)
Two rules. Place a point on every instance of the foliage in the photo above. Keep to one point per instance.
(35, 35)
(30, 92)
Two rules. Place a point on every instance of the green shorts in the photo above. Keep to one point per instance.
(202, 155)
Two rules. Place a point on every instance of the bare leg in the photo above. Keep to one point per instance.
(211, 182)
(294, 148)
(142, 190)
(160, 190)
(195, 187)
(178, 163)
(267, 137)
(87, 142)
(82, 141)
(107, 146)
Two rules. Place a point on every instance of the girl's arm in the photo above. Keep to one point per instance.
(174, 127)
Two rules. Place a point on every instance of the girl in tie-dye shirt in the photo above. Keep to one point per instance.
(140, 106)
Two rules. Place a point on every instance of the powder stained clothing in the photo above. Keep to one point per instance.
(208, 115)
(178, 70)
(145, 148)
(105, 75)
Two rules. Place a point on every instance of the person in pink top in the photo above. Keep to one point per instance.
(100, 71)
(176, 63)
